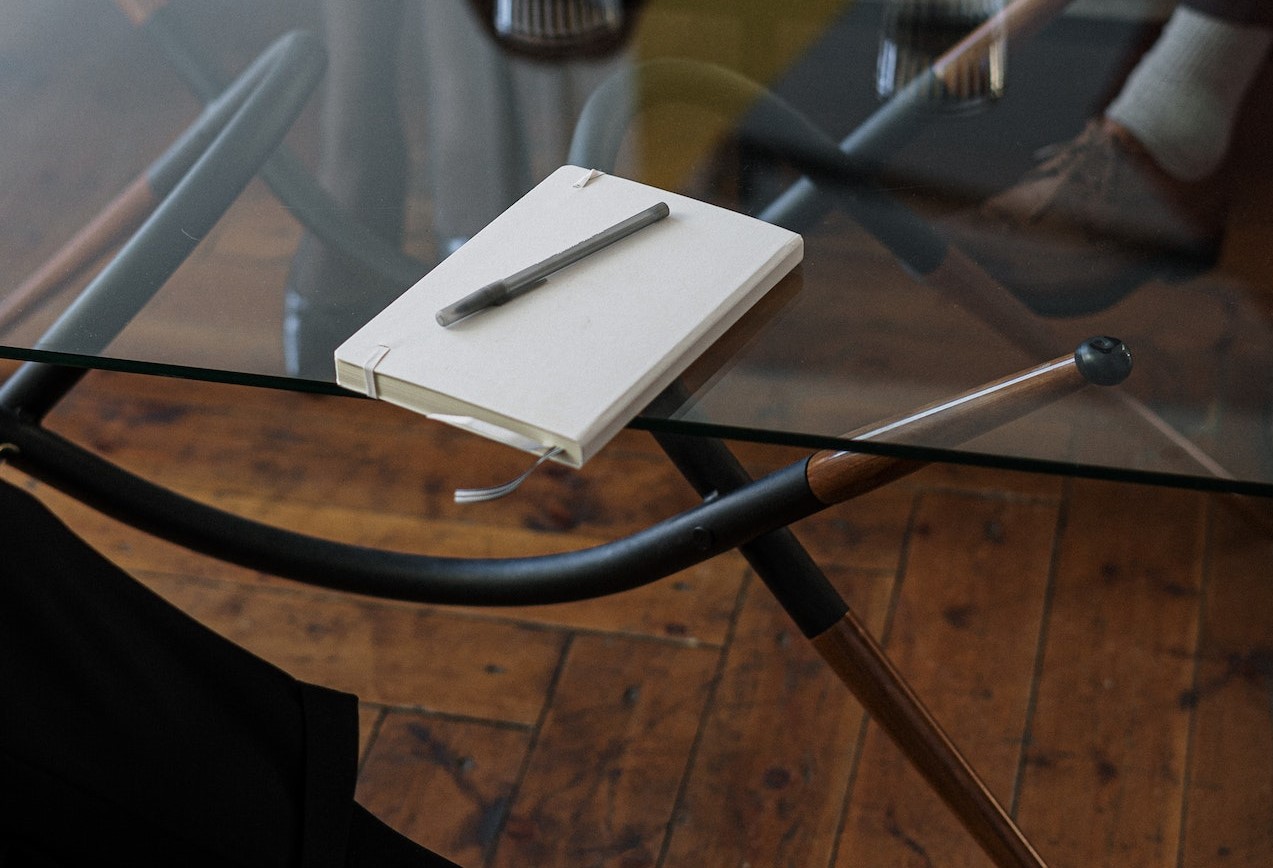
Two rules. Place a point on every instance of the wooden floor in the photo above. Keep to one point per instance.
(1102, 652)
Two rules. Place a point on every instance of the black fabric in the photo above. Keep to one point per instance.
(130, 733)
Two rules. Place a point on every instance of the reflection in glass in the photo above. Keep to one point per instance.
(557, 23)
(915, 33)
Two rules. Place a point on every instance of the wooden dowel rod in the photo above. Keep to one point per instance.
(837, 475)
(113, 224)
(968, 284)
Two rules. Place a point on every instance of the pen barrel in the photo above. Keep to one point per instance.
(527, 277)
(501, 291)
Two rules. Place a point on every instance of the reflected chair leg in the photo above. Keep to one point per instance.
(363, 167)
(284, 173)
(117, 221)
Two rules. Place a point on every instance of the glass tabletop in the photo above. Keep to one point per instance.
(431, 118)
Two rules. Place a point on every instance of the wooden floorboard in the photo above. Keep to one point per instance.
(1120, 652)
(1228, 811)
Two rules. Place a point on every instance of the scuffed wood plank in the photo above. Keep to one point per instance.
(612, 751)
(769, 779)
(864, 533)
(965, 634)
(1103, 780)
(1229, 800)
(444, 784)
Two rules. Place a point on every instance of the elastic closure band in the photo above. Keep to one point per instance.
(369, 369)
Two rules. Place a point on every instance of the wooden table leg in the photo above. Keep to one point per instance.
(866, 670)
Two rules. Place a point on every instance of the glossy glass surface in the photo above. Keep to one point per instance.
(448, 125)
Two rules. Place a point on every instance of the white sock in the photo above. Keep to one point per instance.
(1183, 97)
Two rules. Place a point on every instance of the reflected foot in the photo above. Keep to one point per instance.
(1092, 222)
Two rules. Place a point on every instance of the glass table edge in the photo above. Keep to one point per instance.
(713, 430)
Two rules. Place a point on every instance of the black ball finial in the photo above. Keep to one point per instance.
(1104, 361)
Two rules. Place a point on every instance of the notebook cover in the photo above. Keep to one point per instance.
(571, 362)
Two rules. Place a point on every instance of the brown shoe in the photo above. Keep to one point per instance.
(1094, 221)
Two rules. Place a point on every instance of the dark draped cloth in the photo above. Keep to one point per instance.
(131, 734)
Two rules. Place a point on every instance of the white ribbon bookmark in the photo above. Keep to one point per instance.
(477, 495)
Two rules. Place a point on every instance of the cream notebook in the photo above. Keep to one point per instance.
(571, 362)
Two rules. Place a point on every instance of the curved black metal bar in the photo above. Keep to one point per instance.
(236, 136)
(810, 598)
(286, 176)
(747, 514)
(714, 527)
(869, 146)
(781, 562)
(750, 514)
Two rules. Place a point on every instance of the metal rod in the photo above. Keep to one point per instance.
(753, 515)
(836, 475)
(854, 655)
(131, 208)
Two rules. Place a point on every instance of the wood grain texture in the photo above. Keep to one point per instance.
(1229, 783)
(384, 653)
(602, 782)
(837, 475)
(964, 634)
(1119, 654)
(1125, 714)
(443, 783)
(767, 785)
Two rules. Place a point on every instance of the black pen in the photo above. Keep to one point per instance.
(497, 293)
